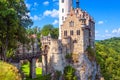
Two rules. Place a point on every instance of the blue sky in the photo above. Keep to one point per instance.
(106, 14)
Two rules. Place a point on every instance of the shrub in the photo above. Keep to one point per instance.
(69, 73)
(90, 53)
(9, 72)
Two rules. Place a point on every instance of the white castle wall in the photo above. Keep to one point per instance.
(64, 9)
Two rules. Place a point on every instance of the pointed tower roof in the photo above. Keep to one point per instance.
(77, 3)
(49, 35)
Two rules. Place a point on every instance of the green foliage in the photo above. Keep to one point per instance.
(9, 72)
(69, 73)
(58, 74)
(10, 53)
(108, 56)
(26, 70)
(14, 20)
(50, 29)
(90, 53)
(47, 29)
(68, 56)
(36, 30)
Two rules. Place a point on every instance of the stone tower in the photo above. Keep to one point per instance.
(64, 10)
(80, 27)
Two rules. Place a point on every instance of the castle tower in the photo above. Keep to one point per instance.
(64, 9)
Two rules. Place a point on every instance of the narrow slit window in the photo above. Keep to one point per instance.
(71, 32)
(65, 33)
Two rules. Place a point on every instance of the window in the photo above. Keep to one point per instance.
(71, 24)
(62, 1)
(62, 18)
(65, 33)
(78, 32)
(71, 32)
(62, 10)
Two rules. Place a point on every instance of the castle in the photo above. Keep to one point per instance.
(76, 35)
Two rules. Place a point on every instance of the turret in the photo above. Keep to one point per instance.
(77, 3)
(64, 10)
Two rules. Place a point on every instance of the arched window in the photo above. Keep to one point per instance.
(71, 23)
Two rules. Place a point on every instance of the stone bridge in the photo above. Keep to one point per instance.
(31, 57)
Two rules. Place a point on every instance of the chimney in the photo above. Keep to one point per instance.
(77, 3)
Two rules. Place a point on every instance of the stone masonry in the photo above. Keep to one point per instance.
(77, 34)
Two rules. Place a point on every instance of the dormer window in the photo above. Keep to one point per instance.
(71, 23)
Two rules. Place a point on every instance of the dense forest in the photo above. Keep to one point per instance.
(108, 56)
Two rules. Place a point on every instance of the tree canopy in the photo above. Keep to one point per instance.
(14, 20)
(50, 29)
(108, 56)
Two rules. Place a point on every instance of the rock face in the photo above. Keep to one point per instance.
(86, 68)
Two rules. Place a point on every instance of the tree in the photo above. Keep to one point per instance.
(108, 56)
(14, 20)
(50, 29)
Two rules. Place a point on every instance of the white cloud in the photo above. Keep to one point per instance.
(96, 32)
(100, 22)
(28, 5)
(56, 2)
(35, 4)
(55, 22)
(108, 34)
(53, 13)
(106, 31)
(35, 17)
(116, 31)
(29, 14)
(46, 3)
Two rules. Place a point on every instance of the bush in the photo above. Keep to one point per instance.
(90, 53)
(69, 73)
(9, 72)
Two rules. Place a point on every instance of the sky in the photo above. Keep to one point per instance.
(106, 14)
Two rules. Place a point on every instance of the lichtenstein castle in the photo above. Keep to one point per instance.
(76, 38)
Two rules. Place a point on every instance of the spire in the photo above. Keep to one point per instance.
(77, 3)
(49, 35)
